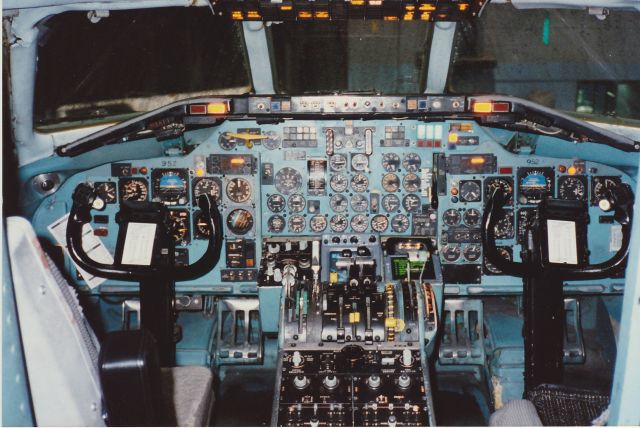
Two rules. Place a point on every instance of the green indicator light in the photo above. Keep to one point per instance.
(545, 30)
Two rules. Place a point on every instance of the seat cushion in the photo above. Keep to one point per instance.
(516, 413)
(188, 391)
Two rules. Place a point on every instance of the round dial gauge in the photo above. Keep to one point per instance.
(390, 203)
(411, 162)
(338, 183)
(107, 191)
(504, 227)
(400, 223)
(411, 203)
(572, 188)
(504, 183)
(390, 182)
(338, 223)
(227, 141)
(318, 223)
(471, 217)
(272, 141)
(239, 190)
(276, 223)
(600, 186)
(359, 223)
(472, 252)
(504, 253)
(170, 185)
(338, 163)
(470, 191)
(451, 253)
(239, 221)
(135, 189)
(534, 184)
(390, 162)
(359, 182)
(296, 203)
(288, 180)
(339, 203)
(276, 203)
(411, 182)
(451, 217)
(296, 223)
(179, 226)
(206, 186)
(379, 223)
(201, 228)
(359, 203)
(359, 162)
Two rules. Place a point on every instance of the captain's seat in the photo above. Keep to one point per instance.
(65, 362)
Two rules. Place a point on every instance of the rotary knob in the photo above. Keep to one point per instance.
(330, 382)
(374, 381)
(297, 359)
(301, 382)
(404, 381)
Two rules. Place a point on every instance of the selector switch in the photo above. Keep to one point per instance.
(297, 359)
(404, 381)
(301, 382)
(374, 381)
(330, 382)
(407, 358)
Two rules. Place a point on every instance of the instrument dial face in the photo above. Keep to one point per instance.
(411, 182)
(240, 221)
(170, 185)
(490, 268)
(338, 223)
(471, 217)
(359, 203)
(359, 182)
(504, 183)
(534, 184)
(107, 191)
(239, 190)
(411, 162)
(339, 203)
(411, 203)
(276, 203)
(390, 203)
(227, 141)
(359, 162)
(179, 226)
(504, 227)
(390, 162)
(472, 252)
(288, 180)
(296, 203)
(359, 223)
(390, 182)
(572, 188)
(379, 223)
(399, 223)
(318, 223)
(206, 186)
(134, 189)
(470, 191)
(451, 252)
(451, 217)
(338, 183)
(272, 141)
(201, 228)
(296, 223)
(338, 163)
(600, 187)
(276, 223)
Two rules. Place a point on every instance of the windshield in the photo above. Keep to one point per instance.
(135, 61)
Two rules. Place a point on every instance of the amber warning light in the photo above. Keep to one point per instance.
(490, 107)
(221, 107)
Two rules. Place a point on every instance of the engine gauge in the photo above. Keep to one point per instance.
(359, 162)
(359, 182)
(399, 223)
(411, 182)
(179, 226)
(390, 162)
(240, 221)
(390, 203)
(390, 182)
(359, 223)
(504, 183)
(239, 190)
(572, 187)
(534, 184)
(200, 227)
(489, 268)
(276, 223)
(451, 253)
(338, 223)
(272, 141)
(504, 226)
(379, 223)
(471, 217)
(600, 185)
(296, 223)
(470, 191)
(206, 186)
(338, 163)
(411, 162)
(134, 189)
(338, 183)
(276, 203)
(472, 252)
(411, 203)
(227, 141)
(288, 180)
(451, 217)
(359, 203)
(107, 191)
(296, 203)
(339, 203)
(318, 223)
